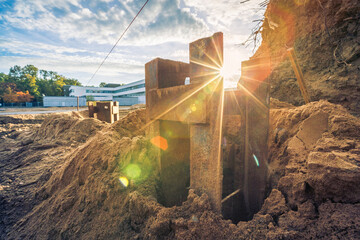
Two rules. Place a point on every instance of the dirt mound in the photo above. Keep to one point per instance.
(68, 128)
(107, 188)
(131, 125)
(12, 125)
(83, 195)
(325, 36)
(32, 147)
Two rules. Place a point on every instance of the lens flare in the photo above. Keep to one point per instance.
(193, 107)
(256, 160)
(133, 171)
(222, 72)
(124, 181)
(160, 142)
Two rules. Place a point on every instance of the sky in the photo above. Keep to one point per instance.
(72, 37)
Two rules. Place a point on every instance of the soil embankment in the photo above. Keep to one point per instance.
(326, 37)
(65, 176)
(61, 181)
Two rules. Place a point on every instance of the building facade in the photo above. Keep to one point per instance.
(126, 95)
(59, 101)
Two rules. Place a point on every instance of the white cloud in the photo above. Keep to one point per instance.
(225, 12)
(163, 29)
(160, 21)
(69, 61)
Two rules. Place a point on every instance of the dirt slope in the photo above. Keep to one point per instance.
(326, 37)
(75, 192)
(31, 150)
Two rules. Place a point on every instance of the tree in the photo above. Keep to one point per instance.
(25, 79)
(10, 96)
(24, 96)
(14, 72)
(36, 82)
(4, 78)
(32, 86)
(7, 88)
(72, 81)
(102, 84)
(30, 70)
(4, 86)
(89, 98)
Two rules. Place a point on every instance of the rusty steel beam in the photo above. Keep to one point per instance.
(256, 88)
(161, 78)
(188, 118)
(191, 119)
(177, 104)
(206, 58)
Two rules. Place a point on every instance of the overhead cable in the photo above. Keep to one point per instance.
(117, 42)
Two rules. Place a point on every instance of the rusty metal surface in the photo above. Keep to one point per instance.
(256, 88)
(194, 108)
(104, 111)
(161, 77)
(179, 103)
(206, 58)
(209, 132)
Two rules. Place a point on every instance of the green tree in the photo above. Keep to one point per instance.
(102, 84)
(33, 88)
(37, 82)
(89, 98)
(72, 81)
(4, 77)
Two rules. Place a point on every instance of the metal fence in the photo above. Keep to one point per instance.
(22, 105)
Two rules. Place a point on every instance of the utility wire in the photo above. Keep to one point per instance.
(116, 43)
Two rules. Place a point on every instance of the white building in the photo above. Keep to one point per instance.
(126, 95)
(59, 101)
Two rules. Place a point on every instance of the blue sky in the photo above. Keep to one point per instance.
(72, 37)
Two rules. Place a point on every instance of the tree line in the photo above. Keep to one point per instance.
(26, 84)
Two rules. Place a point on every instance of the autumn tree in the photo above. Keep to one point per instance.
(10, 96)
(24, 96)
(36, 82)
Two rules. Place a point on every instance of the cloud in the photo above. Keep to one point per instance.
(103, 22)
(223, 13)
(68, 61)
(73, 36)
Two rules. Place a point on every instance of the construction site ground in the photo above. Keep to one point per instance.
(59, 179)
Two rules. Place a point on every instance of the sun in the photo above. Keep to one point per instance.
(226, 71)
(222, 72)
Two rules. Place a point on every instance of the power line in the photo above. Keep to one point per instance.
(117, 42)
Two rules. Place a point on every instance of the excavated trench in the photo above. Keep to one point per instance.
(314, 181)
(61, 180)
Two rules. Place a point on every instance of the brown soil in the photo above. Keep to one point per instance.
(61, 181)
(60, 173)
(326, 37)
